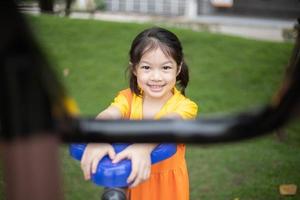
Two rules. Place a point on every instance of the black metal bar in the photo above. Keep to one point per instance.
(214, 130)
(228, 128)
(27, 76)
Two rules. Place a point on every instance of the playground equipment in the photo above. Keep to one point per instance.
(113, 176)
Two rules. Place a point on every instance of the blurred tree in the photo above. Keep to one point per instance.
(68, 7)
(100, 4)
(46, 6)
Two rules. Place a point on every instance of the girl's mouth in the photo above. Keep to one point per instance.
(155, 88)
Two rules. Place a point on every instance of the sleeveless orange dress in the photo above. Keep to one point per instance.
(169, 178)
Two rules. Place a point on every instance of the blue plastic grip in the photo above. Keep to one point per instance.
(115, 175)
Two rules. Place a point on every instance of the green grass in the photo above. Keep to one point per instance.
(228, 74)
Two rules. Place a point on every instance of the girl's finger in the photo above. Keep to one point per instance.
(84, 159)
(95, 162)
(84, 164)
(136, 182)
(111, 153)
(120, 156)
(86, 168)
(146, 174)
(139, 177)
(134, 172)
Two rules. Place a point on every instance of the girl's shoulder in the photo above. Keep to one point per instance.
(184, 106)
(180, 98)
(126, 90)
(123, 102)
(186, 102)
(127, 93)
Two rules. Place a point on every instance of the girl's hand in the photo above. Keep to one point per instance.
(93, 153)
(139, 154)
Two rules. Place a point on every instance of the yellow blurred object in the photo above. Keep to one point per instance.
(71, 106)
(288, 189)
(66, 72)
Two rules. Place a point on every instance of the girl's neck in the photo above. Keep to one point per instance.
(151, 106)
(157, 101)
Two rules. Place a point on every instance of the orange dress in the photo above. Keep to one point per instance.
(169, 178)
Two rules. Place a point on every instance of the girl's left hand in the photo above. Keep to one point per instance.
(139, 154)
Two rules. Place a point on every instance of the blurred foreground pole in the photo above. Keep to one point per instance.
(28, 90)
(31, 168)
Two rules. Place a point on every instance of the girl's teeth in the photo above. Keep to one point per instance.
(155, 86)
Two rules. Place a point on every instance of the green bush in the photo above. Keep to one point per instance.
(100, 5)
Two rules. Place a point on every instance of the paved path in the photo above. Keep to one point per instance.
(254, 28)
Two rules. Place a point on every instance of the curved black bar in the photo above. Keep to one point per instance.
(214, 130)
(285, 106)
(28, 83)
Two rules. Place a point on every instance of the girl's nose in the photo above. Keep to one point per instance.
(156, 76)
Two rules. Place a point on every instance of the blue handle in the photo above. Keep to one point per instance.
(115, 175)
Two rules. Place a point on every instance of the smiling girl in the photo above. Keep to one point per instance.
(157, 68)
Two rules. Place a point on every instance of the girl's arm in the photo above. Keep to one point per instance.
(111, 112)
(94, 152)
(139, 154)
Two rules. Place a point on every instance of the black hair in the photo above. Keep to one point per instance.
(168, 42)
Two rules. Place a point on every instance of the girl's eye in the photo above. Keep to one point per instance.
(166, 67)
(145, 67)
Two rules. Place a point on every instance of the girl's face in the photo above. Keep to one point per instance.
(156, 74)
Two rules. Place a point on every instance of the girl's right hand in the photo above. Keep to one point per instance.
(93, 153)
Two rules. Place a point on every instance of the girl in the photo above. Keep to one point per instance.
(156, 67)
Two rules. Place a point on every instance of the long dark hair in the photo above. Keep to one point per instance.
(168, 42)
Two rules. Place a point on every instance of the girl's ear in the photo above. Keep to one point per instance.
(179, 69)
(132, 68)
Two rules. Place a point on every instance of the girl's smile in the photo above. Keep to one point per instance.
(156, 88)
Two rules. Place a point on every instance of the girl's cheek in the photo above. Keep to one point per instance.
(171, 75)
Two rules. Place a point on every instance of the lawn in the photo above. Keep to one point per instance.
(228, 74)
